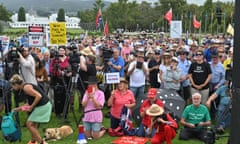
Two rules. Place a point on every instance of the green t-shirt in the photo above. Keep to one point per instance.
(195, 115)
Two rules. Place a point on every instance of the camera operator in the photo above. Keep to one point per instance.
(195, 119)
(27, 66)
(224, 107)
(60, 70)
(163, 123)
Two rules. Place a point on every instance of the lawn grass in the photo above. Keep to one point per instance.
(106, 139)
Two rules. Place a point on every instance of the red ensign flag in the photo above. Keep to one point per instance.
(106, 29)
(168, 16)
(98, 17)
(196, 23)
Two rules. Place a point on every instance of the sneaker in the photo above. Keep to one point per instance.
(220, 130)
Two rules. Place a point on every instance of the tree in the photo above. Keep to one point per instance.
(61, 15)
(4, 14)
(21, 14)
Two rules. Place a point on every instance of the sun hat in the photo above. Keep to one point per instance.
(155, 110)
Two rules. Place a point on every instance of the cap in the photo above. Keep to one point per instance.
(175, 59)
(152, 93)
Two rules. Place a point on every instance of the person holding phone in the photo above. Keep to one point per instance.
(93, 102)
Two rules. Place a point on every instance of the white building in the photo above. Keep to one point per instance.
(31, 20)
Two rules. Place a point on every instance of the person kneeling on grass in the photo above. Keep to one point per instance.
(163, 123)
(38, 106)
(93, 102)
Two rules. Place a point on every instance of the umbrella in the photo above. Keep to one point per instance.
(173, 103)
(135, 111)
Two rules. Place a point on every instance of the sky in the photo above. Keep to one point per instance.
(198, 2)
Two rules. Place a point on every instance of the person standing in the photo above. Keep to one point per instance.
(200, 74)
(38, 106)
(153, 67)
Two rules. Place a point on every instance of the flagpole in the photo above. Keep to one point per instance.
(224, 26)
(205, 29)
(212, 23)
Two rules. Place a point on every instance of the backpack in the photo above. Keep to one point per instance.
(10, 127)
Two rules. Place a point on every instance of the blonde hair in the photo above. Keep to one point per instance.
(16, 79)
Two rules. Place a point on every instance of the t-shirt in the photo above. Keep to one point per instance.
(119, 101)
(200, 73)
(195, 115)
(118, 62)
(154, 73)
(221, 92)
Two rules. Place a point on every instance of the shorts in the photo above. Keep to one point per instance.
(92, 126)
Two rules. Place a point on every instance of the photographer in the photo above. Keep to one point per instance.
(116, 63)
(195, 119)
(27, 66)
(163, 123)
(60, 71)
(138, 71)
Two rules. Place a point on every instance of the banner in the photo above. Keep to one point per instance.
(58, 34)
(112, 78)
(176, 29)
(4, 41)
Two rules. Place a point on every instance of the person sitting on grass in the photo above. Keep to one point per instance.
(93, 102)
(195, 119)
(163, 123)
(38, 106)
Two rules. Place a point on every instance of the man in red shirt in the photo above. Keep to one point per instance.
(146, 119)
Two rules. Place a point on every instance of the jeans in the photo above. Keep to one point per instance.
(224, 115)
(142, 132)
(137, 91)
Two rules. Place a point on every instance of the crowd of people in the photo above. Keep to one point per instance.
(198, 70)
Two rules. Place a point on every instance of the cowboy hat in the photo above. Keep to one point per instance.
(155, 110)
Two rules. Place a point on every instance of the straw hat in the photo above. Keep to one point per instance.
(155, 110)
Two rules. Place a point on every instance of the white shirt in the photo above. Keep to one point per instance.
(137, 78)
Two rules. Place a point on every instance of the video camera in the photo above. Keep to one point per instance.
(107, 53)
(13, 54)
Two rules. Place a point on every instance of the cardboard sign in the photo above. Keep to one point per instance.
(58, 34)
(112, 78)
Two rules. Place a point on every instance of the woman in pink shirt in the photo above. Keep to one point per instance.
(93, 102)
(120, 97)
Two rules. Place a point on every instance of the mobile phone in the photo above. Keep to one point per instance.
(90, 89)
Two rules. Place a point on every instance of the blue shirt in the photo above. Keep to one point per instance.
(184, 66)
(208, 53)
(118, 62)
(221, 91)
(218, 74)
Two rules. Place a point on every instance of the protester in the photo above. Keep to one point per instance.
(153, 67)
(200, 75)
(116, 63)
(119, 98)
(166, 61)
(93, 102)
(146, 119)
(137, 72)
(195, 119)
(224, 108)
(38, 105)
(163, 123)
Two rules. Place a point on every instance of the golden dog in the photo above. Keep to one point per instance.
(57, 133)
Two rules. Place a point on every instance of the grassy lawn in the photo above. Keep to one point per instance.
(73, 138)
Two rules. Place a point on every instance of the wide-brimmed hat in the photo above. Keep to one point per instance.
(86, 52)
(155, 110)
(166, 54)
(92, 80)
(152, 93)
(175, 59)
(123, 80)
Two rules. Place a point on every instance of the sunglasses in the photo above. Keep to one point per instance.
(198, 54)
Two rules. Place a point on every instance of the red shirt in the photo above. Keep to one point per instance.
(119, 101)
(56, 65)
(146, 120)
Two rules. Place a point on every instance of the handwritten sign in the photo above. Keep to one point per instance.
(112, 78)
(58, 33)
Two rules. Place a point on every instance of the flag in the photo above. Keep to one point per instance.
(196, 23)
(106, 29)
(168, 16)
(230, 29)
(98, 18)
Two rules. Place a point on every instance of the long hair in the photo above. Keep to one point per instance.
(40, 63)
